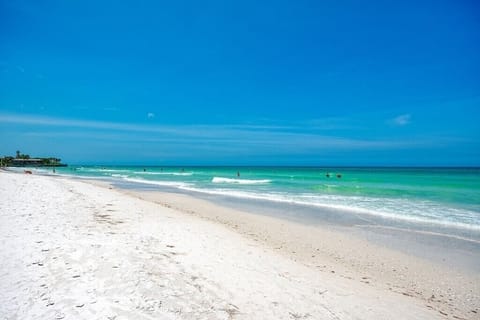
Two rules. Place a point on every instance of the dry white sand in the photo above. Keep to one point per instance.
(72, 250)
(447, 287)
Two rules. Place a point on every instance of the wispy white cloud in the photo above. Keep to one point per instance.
(232, 137)
(333, 123)
(401, 120)
(110, 109)
(184, 130)
(62, 122)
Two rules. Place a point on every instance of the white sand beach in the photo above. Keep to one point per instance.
(75, 250)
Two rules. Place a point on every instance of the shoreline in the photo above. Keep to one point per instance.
(348, 251)
(378, 281)
(305, 211)
(422, 242)
(361, 195)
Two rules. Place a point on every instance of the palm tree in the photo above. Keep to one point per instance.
(18, 154)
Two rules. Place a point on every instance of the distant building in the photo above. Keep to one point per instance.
(26, 162)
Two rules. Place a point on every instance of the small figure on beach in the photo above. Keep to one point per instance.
(339, 175)
(144, 169)
(53, 170)
(238, 173)
(327, 175)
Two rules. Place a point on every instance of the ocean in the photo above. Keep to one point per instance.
(431, 198)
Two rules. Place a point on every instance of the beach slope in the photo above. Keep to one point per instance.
(72, 250)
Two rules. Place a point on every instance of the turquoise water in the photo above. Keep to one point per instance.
(447, 197)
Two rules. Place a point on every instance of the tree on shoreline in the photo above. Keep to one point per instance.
(21, 155)
(37, 161)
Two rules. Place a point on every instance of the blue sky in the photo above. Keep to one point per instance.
(247, 82)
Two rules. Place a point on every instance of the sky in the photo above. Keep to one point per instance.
(242, 82)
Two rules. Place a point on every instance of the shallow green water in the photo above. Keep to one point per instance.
(443, 196)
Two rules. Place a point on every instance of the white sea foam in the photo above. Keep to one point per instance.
(116, 175)
(239, 181)
(165, 173)
(101, 170)
(331, 185)
(393, 209)
(159, 183)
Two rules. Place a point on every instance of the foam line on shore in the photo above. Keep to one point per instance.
(239, 181)
(281, 198)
